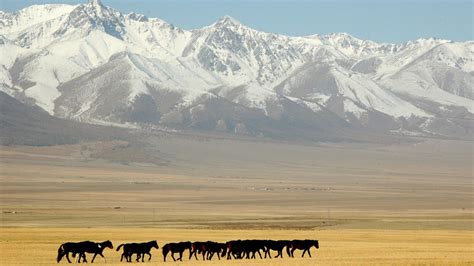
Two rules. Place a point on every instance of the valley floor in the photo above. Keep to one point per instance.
(397, 204)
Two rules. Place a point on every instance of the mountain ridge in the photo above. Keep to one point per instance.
(175, 77)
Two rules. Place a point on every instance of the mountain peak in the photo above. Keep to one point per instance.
(137, 17)
(95, 6)
(96, 3)
(228, 21)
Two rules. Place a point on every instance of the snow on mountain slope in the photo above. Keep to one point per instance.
(8, 53)
(164, 39)
(30, 16)
(240, 55)
(91, 63)
(344, 92)
(442, 75)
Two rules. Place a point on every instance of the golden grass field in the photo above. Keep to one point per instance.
(33, 246)
(366, 204)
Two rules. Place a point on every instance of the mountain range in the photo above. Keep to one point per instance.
(91, 63)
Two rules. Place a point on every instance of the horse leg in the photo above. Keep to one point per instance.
(278, 253)
(304, 251)
(93, 258)
(84, 259)
(172, 256)
(194, 254)
(149, 254)
(181, 256)
(103, 257)
(293, 252)
(259, 254)
(309, 253)
(67, 257)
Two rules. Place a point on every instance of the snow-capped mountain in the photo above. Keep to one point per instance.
(91, 63)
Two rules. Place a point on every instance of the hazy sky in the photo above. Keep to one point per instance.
(382, 21)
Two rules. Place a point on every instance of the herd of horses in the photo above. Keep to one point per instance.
(235, 249)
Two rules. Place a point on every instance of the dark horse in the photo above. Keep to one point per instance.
(207, 249)
(216, 248)
(304, 245)
(176, 248)
(277, 245)
(137, 248)
(82, 248)
(198, 247)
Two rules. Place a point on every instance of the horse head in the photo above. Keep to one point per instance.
(316, 244)
(154, 244)
(107, 244)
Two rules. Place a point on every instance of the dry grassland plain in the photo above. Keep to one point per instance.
(366, 204)
(344, 246)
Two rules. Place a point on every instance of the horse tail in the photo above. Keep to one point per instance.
(60, 253)
(165, 250)
(118, 248)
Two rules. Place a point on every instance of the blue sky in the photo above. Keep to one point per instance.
(382, 21)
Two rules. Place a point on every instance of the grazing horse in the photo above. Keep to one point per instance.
(277, 245)
(304, 245)
(81, 248)
(176, 248)
(137, 248)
